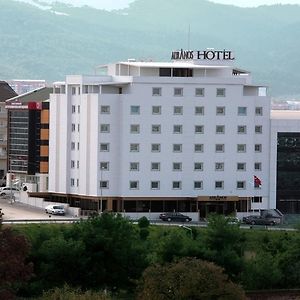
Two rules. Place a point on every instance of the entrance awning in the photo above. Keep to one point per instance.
(217, 198)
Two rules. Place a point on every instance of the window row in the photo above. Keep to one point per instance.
(198, 92)
(177, 185)
(178, 110)
(177, 166)
(178, 129)
(198, 148)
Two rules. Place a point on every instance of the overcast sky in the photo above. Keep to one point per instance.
(115, 4)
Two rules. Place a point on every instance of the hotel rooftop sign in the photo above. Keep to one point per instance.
(202, 55)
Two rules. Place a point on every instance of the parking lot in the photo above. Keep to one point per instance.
(20, 211)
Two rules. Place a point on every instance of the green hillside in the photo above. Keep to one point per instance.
(42, 44)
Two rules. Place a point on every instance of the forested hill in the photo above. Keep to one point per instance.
(54, 41)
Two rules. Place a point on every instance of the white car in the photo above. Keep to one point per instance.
(6, 191)
(55, 210)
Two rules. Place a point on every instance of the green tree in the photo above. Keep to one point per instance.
(14, 268)
(189, 278)
(261, 272)
(223, 244)
(115, 257)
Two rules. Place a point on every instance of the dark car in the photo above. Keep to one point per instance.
(174, 217)
(259, 220)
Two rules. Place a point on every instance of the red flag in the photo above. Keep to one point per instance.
(257, 181)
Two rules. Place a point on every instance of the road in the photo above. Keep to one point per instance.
(20, 211)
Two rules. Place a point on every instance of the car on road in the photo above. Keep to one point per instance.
(259, 220)
(55, 210)
(6, 191)
(177, 217)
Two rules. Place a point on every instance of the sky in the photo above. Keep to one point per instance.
(117, 4)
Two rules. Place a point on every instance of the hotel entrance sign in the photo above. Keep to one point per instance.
(202, 55)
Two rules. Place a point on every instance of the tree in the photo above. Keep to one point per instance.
(223, 244)
(189, 278)
(14, 269)
(115, 257)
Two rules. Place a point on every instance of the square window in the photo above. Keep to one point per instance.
(220, 110)
(155, 129)
(156, 91)
(198, 166)
(155, 147)
(104, 128)
(178, 110)
(104, 165)
(134, 109)
(242, 129)
(256, 200)
(155, 166)
(134, 185)
(177, 166)
(199, 110)
(104, 147)
(242, 111)
(134, 166)
(156, 110)
(219, 185)
(221, 92)
(241, 166)
(199, 92)
(258, 129)
(176, 185)
(241, 185)
(257, 147)
(177, 128)
(134, 147)
(177, 147)
(258, 111)
(220, 129)
(134, 128)
(257, 166)
(198, 185)
(241, 147)
(178, 91)
(198, 147)
(154, 185)
(105, 109)
(219, 166)
(220, 147)
(199, 129)
(104, 184)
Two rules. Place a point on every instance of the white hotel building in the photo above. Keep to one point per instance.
(187, 135)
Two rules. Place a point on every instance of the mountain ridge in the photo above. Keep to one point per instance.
(40, 43)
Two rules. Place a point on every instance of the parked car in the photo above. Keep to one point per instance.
(6, 191)
(259, 220)
(55, 210)
(174, 217)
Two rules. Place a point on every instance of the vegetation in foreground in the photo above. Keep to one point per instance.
(108, 257)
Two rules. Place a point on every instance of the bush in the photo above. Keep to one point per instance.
(189, 278)
(143, 222)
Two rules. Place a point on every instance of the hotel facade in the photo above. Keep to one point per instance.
(188, 135)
